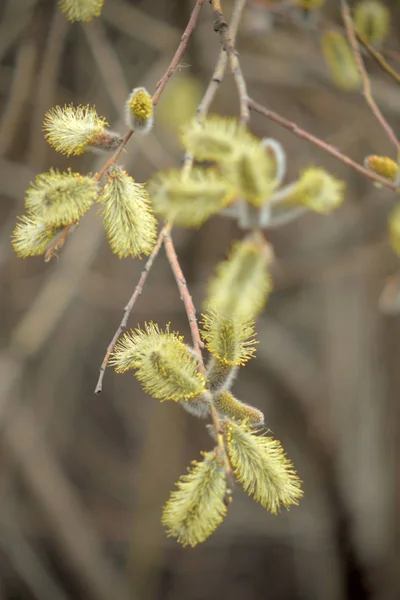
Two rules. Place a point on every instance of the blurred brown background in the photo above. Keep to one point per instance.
(83, 477)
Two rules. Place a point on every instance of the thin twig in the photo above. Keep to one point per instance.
(220, 67)
(128, 308)
(197, 347)
(186, 298)
(221, 27)
(351, 35)
(180, 51)
(305, 135)
(378, 57)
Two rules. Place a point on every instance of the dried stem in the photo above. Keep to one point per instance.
(377, 56)
(351, 35)
(197, 347)
(305, 135)
(221, 27)
(128, 308)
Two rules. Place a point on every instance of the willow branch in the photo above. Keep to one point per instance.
(377, 56)
(128, 308)
(305, 135)
(351, 35)
(197, 347)
(221, 27)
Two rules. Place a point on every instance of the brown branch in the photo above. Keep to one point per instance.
(351, 35)
(180, 51)
(305, 135)
(128, 308)
(197, 347)
(377, 56)
(221, 27)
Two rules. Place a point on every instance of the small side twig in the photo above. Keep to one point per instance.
(221, 27)
(377, 56)
(128, 308)
(351, 35)
(305, 135)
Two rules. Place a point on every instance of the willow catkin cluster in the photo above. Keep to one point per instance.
(168, 370)
(56, 200)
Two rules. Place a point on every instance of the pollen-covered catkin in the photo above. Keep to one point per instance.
(164, 365)
(60, 198)
(81, 10)
(139, 111)
(128, 218)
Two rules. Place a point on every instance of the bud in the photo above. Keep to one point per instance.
(139, 111)
(60, 198)
(382, 165)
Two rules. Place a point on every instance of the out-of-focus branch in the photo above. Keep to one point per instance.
(221, 26)
(351, 35)
(305, 135)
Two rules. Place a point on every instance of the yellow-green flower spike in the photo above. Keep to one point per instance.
(252, 173)
(139, 111)
(394, 229)
(308, 3)
(341, 61)
(81, 10)
(60, 198)
(217, 138)
(189, 200)
(31, 236)
(383, 165)
(229, 406)
(318, 191)
(128, 218)
(71, 129)
(196, 507)
(230, 340)
(372, 20)
(164, 365)
(242, 283)
(262, 468)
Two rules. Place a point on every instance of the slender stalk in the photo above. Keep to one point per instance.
(352, 37)
(305, 135)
